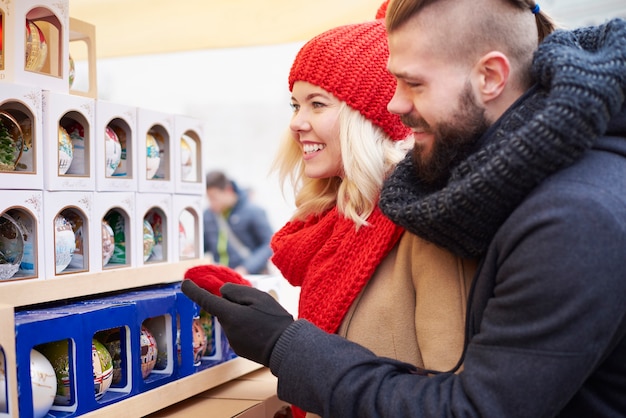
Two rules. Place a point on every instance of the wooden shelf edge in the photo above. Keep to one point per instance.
(33, 291)
(178, 390)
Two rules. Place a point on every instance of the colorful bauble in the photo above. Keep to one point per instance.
(11, 246)
(159, 332)
(108, 243)
(148, 240)
(153, 158)
(122, 167)
(64, 243)
(57, 353)
(149, 352)
(206, 321)
(27, 225)
(11, 142)
(200, 341)
(155, 219)
(76, 131)
(186, 159)
(77, 222)
(117, 222)
(112, 151)
(111, 340)
(3, 386)
(186, 242)
(102, 368)
(23, 133)
(72, 73)
(66, 151)
(44, 383)
(36, 47)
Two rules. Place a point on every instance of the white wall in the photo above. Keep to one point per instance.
(241, 93)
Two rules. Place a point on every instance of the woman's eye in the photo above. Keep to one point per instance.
(295, 107)
(317, 105)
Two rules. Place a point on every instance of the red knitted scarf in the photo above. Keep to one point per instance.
(331, 261)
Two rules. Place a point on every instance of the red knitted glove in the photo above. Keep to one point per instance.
(211, 277)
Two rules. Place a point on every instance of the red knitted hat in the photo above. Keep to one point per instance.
(351, 63)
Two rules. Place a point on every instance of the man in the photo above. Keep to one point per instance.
(237, 232)
(520, 161)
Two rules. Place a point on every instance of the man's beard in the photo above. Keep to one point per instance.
(454, 140)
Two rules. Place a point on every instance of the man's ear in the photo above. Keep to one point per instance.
(492, 72)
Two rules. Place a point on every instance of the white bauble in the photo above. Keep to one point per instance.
(44, 383)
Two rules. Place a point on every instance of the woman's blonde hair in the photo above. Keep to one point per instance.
(368, 157)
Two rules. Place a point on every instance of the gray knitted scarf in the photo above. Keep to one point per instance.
(581, 83)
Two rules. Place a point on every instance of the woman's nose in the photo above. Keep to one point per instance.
(299, 122)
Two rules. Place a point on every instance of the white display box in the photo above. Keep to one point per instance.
(24, 104)
(117, 209)
(272, 284)
(189, 146)
(157, 209)
(155, 164)
(84, 34)
(187, 212)
(76, 207)
(68, 169)
(122, 119)
(21, 61)
(25, 207)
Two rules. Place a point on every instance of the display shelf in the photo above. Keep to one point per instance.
(21, 293)
(34, 291)
(178, 390)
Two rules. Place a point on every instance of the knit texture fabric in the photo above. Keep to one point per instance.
(332, 261)
(581, 83)
(350, 62)
(382, 10)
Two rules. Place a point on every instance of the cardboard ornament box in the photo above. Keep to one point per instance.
(69, 160)
(36, 44)
(155, 157)
(116, 147)
(69, 234)
(21, 143)
(189, 140)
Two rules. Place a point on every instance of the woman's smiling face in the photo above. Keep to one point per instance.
(315, 126)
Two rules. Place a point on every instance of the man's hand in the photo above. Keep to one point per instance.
(212, 276)
(252, 320)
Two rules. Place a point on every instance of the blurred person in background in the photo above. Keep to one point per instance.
(237, 232)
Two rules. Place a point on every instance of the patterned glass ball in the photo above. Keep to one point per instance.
(148, 240)
(11, 246)
(200, 341)
(44, 383)
(36, 47)
(66, 151)
(57, 353)
(64, 242)
(108, 243)
(186, 159)
(149, 352)
(102, 368)
(153, 158)
(112, 151)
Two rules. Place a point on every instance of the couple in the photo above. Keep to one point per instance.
(517, 178)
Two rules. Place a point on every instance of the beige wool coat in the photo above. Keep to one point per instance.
(413, 308)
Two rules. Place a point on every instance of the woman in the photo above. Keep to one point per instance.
(359, 275)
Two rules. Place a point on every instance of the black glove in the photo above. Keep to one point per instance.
(252, 320)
